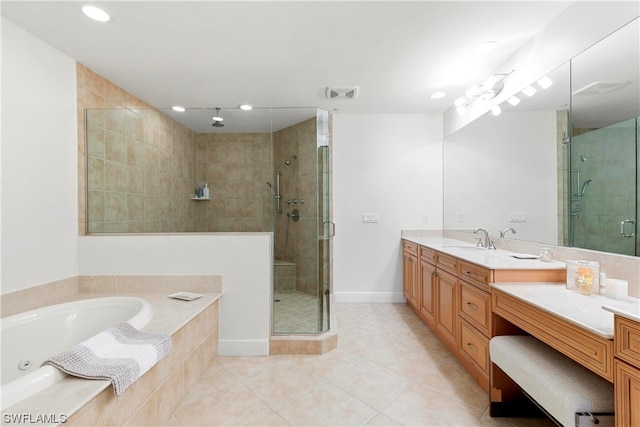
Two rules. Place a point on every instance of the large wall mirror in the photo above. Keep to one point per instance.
(559, 167)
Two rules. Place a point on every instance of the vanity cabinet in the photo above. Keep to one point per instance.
(428, 285)
(447, 309)
(627, 372)
(410, 279)
(453, 297)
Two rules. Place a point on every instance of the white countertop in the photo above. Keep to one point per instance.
(629, 309)
(497, 259)
(591, 312)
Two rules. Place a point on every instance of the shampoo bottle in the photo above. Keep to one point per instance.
(205, 191)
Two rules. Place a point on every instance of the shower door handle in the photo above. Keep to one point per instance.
(633, 228)
(332, 229)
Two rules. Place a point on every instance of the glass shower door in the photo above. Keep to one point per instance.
(604, 189)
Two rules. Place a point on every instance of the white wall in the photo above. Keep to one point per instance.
(243, 261)
(39, 162)
(391, 165)
(500, 165)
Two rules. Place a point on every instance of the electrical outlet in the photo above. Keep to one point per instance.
(425, 217)
(460, 216)
(369, 218)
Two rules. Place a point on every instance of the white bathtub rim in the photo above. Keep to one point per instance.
(47, 375)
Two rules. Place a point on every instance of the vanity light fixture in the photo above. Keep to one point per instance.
(545, 82)
(178, 108)
(513, 100)
(529, 91)
(96, 13)
(246, 107)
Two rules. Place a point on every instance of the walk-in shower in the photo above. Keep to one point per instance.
(267, 171)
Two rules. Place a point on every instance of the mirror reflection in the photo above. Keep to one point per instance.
(555, 177)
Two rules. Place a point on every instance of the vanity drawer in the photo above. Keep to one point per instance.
(588, 349)
(447, 263)
(476, 275)
(627, 340)
(475, 346)
(410, 247)
(428, 255)
(475, 307)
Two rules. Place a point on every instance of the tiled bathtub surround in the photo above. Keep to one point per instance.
(154, 398)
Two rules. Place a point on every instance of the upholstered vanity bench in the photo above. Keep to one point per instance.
(566, 391)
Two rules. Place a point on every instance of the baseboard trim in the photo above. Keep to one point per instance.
(243, 347)
(388, 297)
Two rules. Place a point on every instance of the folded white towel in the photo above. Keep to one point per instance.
(121, 354)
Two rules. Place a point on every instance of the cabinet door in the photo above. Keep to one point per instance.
(410, 279)
(447, 312)
(627, 393)
(427, 292)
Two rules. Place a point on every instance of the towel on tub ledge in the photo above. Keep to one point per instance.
(121, 354)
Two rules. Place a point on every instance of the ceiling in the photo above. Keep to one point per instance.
(208, 54)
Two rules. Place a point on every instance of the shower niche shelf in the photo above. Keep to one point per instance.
(199, 199)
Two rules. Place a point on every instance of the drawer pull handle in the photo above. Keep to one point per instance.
(472, 306)
(475, 276)
(472, 347)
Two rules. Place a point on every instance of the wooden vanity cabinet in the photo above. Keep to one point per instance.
(447, 309)
(428, 283)
(410, 277)
(627, 372)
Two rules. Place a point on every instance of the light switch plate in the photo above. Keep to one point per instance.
(369, 218)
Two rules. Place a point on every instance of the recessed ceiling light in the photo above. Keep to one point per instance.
(178, 109)
(246, 107)
(96, 13)
(484, 48)
(437, 95)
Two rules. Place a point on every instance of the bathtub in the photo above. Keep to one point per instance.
(30, 338)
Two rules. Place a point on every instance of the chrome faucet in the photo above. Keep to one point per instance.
(503, 232)
(488, 243)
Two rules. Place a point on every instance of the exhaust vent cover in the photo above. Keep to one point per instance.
(342, 92)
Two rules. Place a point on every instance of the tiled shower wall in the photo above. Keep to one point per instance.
(299, 181)
(142, 168)
(236, 168)
(140, 163)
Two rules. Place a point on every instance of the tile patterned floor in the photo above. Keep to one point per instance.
(295, 312)
(388, 370)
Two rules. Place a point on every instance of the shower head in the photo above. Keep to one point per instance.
(584, 186)
(583, 158)
(290, 159)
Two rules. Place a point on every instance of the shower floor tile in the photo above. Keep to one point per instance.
(295, 312)
(388, 369)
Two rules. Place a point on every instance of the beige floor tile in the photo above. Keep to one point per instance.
(422, 406)
(231, 406)
(388, 370)
(373, 384)
(327, 405)
(282, 384)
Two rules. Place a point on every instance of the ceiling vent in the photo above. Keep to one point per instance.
(342, 92)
